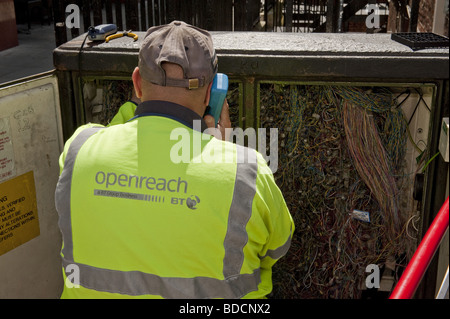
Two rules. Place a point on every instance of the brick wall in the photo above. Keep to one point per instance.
(446, 25)
(426, 15)
(8, 25)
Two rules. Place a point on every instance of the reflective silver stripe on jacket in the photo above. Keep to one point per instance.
(240, 211)
(235, 285)
(136, 283)
(64, 188)
(280, 251)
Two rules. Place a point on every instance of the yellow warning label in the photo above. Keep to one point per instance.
(18, 212)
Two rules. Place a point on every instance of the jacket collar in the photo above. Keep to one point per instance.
(170, 110)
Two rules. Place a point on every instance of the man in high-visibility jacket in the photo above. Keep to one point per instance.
(146, 214)
(126, 111)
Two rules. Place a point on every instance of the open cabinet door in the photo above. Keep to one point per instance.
(30, 144)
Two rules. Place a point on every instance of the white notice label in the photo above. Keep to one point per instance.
(7, 169)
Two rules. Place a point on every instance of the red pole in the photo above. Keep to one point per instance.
(408, 283)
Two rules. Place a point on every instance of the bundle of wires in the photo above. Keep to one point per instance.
(383, 104)
(375, 158)
(372, 163)
(115, 93)
(341, 150)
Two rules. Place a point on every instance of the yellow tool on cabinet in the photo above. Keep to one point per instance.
(123, 34)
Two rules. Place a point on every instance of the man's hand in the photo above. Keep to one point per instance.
(222, 132)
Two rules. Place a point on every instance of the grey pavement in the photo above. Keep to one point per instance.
(33, 55)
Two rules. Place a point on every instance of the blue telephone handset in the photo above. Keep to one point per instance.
(219, 91)
(100, 32)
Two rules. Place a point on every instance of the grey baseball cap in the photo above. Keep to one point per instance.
(182, 44)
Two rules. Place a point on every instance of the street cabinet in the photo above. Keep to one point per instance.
(350, 123)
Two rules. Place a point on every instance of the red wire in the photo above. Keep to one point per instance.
(408, 283)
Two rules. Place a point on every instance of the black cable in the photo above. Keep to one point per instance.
(81, 49)
(408, 93)
(80, 67)
(421, 97)
(416, 107)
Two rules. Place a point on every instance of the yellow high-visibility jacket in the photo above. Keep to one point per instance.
(126, 112)
(155, 208)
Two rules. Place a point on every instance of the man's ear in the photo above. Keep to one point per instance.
(137, 82)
